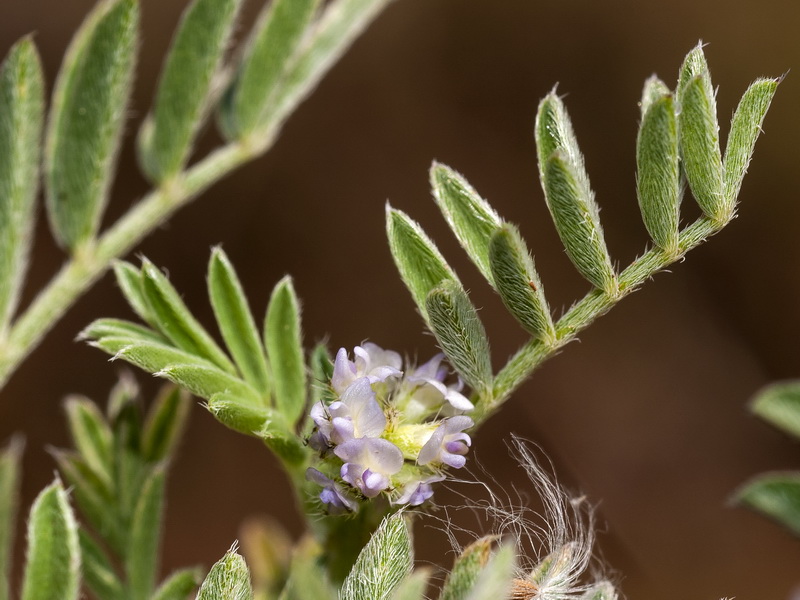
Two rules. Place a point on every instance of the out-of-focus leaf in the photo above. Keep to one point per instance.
(181, 103)
(228, 579)
(384, 562)
(91, 435)
(141, 558)
(165, 424)
(779, 404)
(176, 321)
(518, 283)
(745, 129)
(495, 580)
(179, 585)
(467, 569)
(10, 459)
(21, 116)
(413, 587)
(461, 336)
(421, 265)
(308, 578)
(603, 590)
(53, 567)
(236, 322)
(776, 495)
(470, 217)
(98, 573)
(86, 119)
(274, 40)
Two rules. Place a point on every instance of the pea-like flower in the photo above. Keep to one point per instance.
(356, 414)
(448, 444)
(430, 392)
(369, 463)
(371, 361)
(332, 493)
(418, 491)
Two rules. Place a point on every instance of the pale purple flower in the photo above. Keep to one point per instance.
(416, 492)
(431, 390)
(369, 463)
(356, 414)
(371, 361)
(448, 444)
(332, 493)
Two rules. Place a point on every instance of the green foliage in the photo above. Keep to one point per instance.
(466, 570)
(10, 459)
(601, 591)
(229, 579)
(117, 472)
(776, 495)
(666, 137)
(53, 568)
(413, 587)
(86, 120)
(495, 580)
(307, 577)
(273, 44)
(383, 564)
(21, 116)
(658, 180)
(569, 195)
(179, 585)
(182, 99)
(262, 392)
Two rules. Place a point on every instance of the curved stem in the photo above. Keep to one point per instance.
(342, 22)
(592, 306)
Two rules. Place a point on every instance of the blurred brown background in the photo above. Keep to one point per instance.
(646, 415)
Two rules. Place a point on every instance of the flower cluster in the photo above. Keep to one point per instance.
(387, 432)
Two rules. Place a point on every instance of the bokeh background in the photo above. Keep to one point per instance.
(646, 416)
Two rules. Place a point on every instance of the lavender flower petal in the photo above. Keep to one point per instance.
(332, 493)
(416, 492)
(447, 444)
(369, 462)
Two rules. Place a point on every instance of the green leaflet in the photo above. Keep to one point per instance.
(53, 567)
(141, 558)
(10, 458)
(165, 424)
(272, 45)
(236, 322)
(98, 572)
(181, 103)
(176, 321)
(518, 283)
(461, 336)
(283, 441)
(654, 90)
(91, 436)
(776, 495)
(658, 175)
(495, 580)
(779, 404)
(119, 328)
(21, 116)
(569, 195)
(385, 561)
(470, 217)
(179, 585)
(421, 265)
(129, 280)
(207, 381)
(94, 499)
(229, 579)
(283, 340)
(466, 570)
(86, 119)
(240, 416)
(745, 129)
(699, 134)
(307, 579)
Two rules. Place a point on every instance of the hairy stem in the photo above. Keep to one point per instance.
(336, 30)
(593, 305)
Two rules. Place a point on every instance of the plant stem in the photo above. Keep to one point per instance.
(593, 305)
(332, 35)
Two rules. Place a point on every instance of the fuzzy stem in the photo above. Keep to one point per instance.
(336, 30)
(593, 305)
